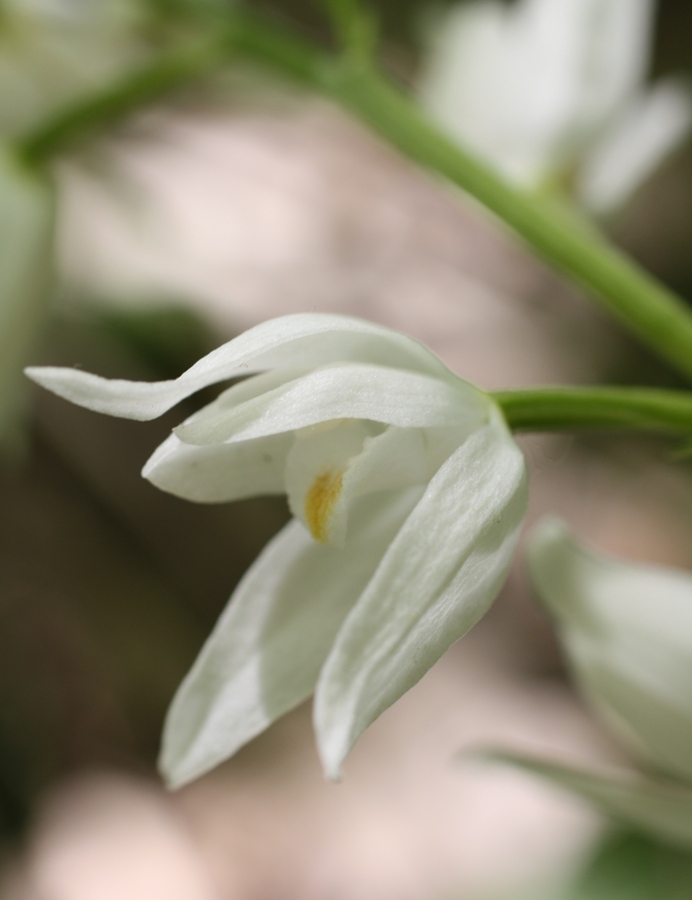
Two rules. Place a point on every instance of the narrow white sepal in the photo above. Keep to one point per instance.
(303, 339)
(639, 140)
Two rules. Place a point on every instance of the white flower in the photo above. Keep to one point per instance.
(627, 633)
(408, 492)
(52, 52)
(552, 91)
(26, 225)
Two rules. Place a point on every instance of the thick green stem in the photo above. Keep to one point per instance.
(655, 315)
(609, 408)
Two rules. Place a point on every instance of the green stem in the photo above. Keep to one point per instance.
(654, 314)
(649, 310)
(135, 90)
(610, 408)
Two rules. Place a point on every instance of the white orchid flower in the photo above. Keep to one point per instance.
(627, 633)
(52, 52)
(408, 492)
(26, 225)
(553, 91)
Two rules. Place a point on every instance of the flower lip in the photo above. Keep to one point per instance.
(320, 501)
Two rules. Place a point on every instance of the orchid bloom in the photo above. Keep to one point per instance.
(26, 224)
(627, 633)
(552, 91)
(408, 493)
(54, 51)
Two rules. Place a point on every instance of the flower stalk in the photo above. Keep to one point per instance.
(654, 314)
(608, 408)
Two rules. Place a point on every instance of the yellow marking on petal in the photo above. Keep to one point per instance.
(319, 503)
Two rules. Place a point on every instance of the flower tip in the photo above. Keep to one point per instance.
(53, 378)
(173, 775)
(336, 776)
(332, 764)
(35, 373)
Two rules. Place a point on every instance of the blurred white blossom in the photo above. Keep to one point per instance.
(53, 52)
(408, 492)
(26, 225)
(552, 92)
(627, 633)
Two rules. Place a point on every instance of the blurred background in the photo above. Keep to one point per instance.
(228, 201)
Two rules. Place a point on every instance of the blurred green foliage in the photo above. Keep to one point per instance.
(629, 866)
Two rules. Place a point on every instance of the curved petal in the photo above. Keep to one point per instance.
(655, 805)
(377, 393)
(220, 472)
(627, 631)
(303, 339)
(264, 655)
(436, 580)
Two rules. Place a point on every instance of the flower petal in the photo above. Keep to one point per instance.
(436, 580)
(217, 473)
(655, 805)
(527, 85)
(264, 655)
(649, 130)
(303, 339)
(484, 81)
(354, 391)
(627, 632)
(621, 41)
(327, 471)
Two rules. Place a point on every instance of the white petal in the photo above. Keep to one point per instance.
(655, 805)
(527, 85)
(436, 580)
(587, 58)
(26, 227)
(303, 339)
(390, 396)
(484, 80)
(332, 465)
(220, 472)
(625, 37)
(627, 631)
(649, 130)
(266, 650)
(329, 467)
